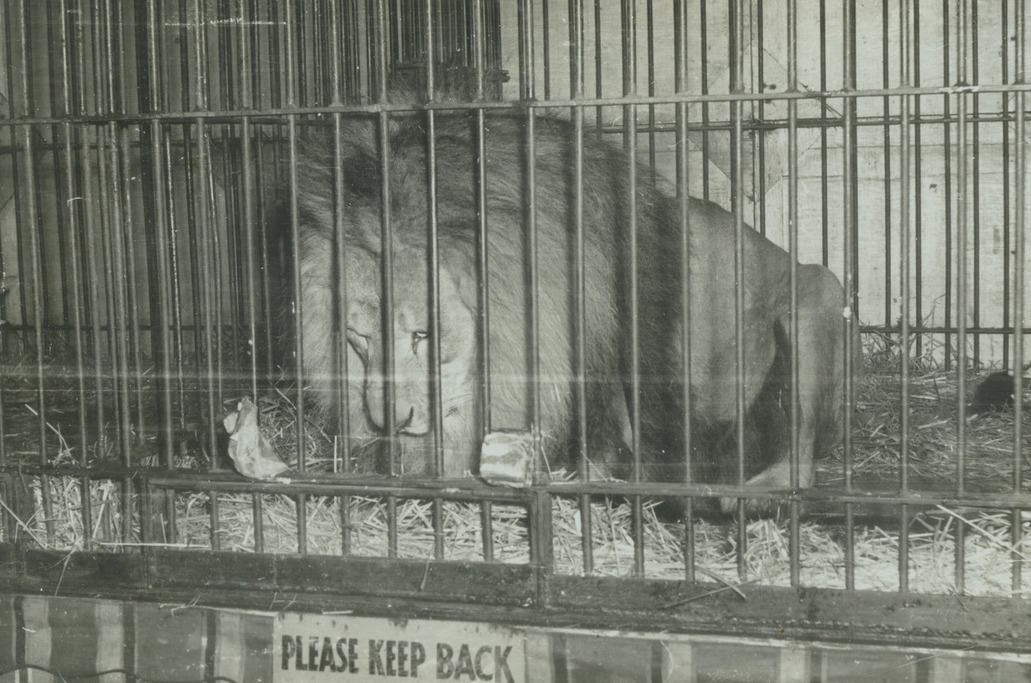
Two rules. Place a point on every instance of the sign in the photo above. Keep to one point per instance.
(344, 648)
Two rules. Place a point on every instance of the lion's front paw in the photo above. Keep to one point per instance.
(776, 477)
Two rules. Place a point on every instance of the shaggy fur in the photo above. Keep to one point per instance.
(607, 324)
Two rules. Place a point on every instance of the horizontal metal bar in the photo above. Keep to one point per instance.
(475, 490)
(273, 114)
(824, 494)
(471, 490)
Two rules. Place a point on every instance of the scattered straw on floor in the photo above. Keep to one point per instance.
(989, 557)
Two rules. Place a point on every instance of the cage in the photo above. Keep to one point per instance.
(353, 238)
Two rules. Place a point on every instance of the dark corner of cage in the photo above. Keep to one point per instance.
(994, 394)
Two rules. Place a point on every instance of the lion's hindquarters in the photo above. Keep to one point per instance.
(821, 352)
(819, 344)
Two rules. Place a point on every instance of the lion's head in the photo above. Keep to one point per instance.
(413, 356)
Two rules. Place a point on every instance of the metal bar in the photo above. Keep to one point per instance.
(947, 146)
(629, 49)
(433, 254)
(576, 87)
(824, 196)
(545, 49)
(524, 17)
(471, 490)
(534, 293)
(161, 305)
(737, 58)
(963, 28)
(483, 322)
(31, 194)
(975, 200)
(112, 239)
(916, 121)
(794, 534)
(962, 238)
(680, 49)
(650, 23)
(251, 285)
(703, 27)
(275, 114)
(758, 141)
(76, 202)
(1004, 106)
(1019, 286)
(599, 120)
(434, 287)
(849, 221)
(387, 254)
(905, 255)
(886, 45)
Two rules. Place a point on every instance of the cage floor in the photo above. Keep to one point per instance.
(933, 542)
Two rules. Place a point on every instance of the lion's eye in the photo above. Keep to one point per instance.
(417, 337)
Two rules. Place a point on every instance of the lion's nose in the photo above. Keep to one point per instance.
(403, 423)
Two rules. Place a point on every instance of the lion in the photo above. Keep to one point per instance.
(768, 340)
(505, 327)
(509, 366)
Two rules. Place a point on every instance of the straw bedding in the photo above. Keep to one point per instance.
(989, 554)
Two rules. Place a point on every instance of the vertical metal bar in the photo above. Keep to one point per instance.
(434, 287)
(478, 38)
(57, 74)
(174, 265)
(824, 199)
(134, 357)
(962, 237)
(120, 314)
(487, 530)
(10, 134)
(849, 219)
(703, 27)
(31, 192)
(154, 527)
(542, 549)
(629, 48)
(737, 57)
(963, 28)
(947, 174)
(680, 49)
(546, 49)
(340, 343)
(379, 30)
(483, 329)
(794, 548)
(248, 77)
(917, 184)
(650, 21)
(292, 81)
(758, 113)
(534, 276)
(975, 190)
(433, 253)
(32, 220)
(599, 119)
(76, 203)
(258, 515)
(886, 45)
(1019, 285)
(524, 13)
(905, 254)
(1004, 110)
(161, 325)
(576, 87)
